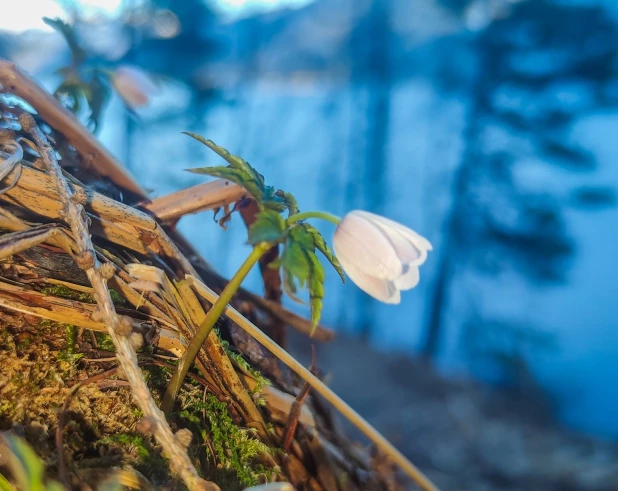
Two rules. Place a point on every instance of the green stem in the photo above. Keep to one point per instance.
(207, 326)
(313, 214)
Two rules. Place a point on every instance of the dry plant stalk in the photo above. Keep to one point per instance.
(206, 196)
(119, 329)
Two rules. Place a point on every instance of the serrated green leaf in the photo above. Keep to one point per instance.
(234, 175)
(295, 262)
(290, 287)
(316, 288)
(237, 176)
(243, 174)
(234, 161)
(272, 205)
(268, 227)
(289, 200)
(238, 171)
(98, 95)
(322, 246)
(299, 234)
(78, 54)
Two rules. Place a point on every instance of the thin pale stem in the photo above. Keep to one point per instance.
(207, 326)
(370, 432)
(313, 214)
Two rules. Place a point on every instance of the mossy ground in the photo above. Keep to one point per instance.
(41, 360)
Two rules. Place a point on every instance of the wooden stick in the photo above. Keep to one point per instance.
(118, 329)
(207, 196)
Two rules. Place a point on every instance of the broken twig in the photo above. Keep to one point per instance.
(292, 423)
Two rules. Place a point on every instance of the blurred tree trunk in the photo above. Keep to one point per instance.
(453, 238)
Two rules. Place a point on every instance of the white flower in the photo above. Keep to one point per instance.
(134, 86)
(379, 255)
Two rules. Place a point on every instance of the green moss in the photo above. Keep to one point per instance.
(66, 292)
(157, 376)
(236, 449)
(137, 443)
(69, 354)
(118, 299)
(63, 291)
(260, 380)
(105, 342)
(139, 452)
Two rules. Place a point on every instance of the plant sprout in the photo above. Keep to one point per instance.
(381, 256)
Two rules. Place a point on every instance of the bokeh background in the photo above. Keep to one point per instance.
(489, 126)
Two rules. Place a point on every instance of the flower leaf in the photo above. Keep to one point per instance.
(249, 173)
(289, 200)
(316, 288)
(268, 227)
(299, 262)
(234, 175)
(243, 174)
(322, 246)
(290, 287)
(98, 95)
(78, 54)
(295, 262)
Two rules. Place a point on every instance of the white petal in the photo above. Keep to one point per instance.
(362, 243)
(418, 240)
(407, 251)
(409, 279)
(380, 289)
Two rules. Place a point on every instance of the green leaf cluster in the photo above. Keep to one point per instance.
(80, 83)
(298, 260)
(300, 241)
(242, 173)
(301, 267)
